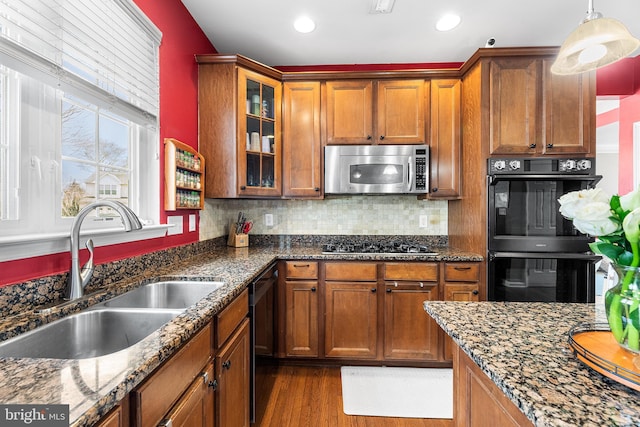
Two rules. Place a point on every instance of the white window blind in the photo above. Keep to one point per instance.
(107, 47)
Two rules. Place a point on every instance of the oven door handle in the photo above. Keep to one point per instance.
(546, 255)
(591, 179)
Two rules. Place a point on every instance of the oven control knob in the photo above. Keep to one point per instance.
(570, 165)
(514, 165)
(584, 164)
(499, 165)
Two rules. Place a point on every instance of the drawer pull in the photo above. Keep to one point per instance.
(475, 292)
(301, 265)
(395, 284)
(462, 268)
(421, 285)
(227, 364)
(205, 378)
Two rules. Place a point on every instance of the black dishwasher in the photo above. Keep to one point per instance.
(262, 318)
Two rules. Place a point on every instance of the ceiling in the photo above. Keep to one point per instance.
(346, 33)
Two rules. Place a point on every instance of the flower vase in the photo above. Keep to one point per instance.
(622, 306)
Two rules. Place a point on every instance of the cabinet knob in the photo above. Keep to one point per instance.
(381, 137)
(373, 290)
(549, 145)
(475, 292)
(213, 384)
(313, 289)
(227, 364)
(243, 187)
(369, 137)
(434, 190)
(532, 145)
(316, 189)
(388, 290)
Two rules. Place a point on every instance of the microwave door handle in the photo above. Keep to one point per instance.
(410, 174)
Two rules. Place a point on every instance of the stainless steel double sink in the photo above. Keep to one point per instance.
(112, 325)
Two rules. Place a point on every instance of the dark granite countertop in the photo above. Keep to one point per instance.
(93, 386)
(523, 348)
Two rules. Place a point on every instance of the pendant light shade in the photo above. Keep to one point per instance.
(595, 43)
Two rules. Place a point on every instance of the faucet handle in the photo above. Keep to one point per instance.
(87, 269)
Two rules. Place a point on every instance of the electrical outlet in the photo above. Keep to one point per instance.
(423, 221)
(268, 220)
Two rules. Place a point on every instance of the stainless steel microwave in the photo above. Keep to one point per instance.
(376, 169)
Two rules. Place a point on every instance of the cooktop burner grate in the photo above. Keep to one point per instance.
(393, 248)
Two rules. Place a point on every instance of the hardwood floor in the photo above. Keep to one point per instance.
(311, 396)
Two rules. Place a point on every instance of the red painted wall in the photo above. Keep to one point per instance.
(182, 38)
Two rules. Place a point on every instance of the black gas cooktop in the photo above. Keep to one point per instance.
(391, 248)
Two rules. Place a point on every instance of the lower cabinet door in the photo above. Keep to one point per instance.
(232, 367)
(409, 332)
(351, 327)
(196, 407)
(301, 301)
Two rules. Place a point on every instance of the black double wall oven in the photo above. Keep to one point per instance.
(535, 254)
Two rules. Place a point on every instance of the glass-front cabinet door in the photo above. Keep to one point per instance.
(259, 155)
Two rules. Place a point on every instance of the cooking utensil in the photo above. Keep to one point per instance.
(247, 227)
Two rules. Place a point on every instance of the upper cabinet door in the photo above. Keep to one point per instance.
(400, 112)
(514, 114)
(302, 147)
(349, 112)
(568, 106)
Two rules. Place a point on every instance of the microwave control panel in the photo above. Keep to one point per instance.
(421, 173)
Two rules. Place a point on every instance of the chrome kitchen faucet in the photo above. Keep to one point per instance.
(78, 279)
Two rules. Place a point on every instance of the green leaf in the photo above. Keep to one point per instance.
(625, 258)
(607, 249)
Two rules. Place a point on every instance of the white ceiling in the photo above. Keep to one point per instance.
(346, 33)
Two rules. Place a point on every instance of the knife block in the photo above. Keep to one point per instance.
(237, 240)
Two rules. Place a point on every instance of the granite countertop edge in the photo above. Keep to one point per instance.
(237, 267)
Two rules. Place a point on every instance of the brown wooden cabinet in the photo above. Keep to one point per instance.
(478, 401)
(533, 112)
(118, 416)
(243, 144)
(301, 144)
(351, 307)
(460, 283)
(301, 306)
(445, 139)
(195, 407)
(232, 368)
(376, 112)
(409, 333)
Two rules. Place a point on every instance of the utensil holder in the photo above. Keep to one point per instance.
(235, 239)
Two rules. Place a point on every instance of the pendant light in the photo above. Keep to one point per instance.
(595, 43)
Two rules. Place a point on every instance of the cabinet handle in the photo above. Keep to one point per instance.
(313, 289)
(549, 145)
(475, 292)
(227, 364)
(373, 290)
(388, 290)
(381, 137)
(316, 189)
(301, 265)
(532, 145)
(369, 137)
(434, 190)
(214, 383)
(462, 268)
(243, 187)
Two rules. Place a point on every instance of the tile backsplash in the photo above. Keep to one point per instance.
(344, 215)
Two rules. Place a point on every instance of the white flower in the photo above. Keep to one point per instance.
(575, 201)
(593, 218)
(630, 201)
(631, 225)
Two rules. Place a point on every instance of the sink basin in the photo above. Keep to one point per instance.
(178, 294)
(90, 333)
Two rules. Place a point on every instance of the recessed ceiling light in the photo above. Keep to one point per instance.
(448, 22)
(304, 24)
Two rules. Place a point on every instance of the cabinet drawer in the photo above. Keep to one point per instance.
(351, 271)
(423, 272)
(155, 397)
(461, 272)
(301, 270)
(228, 319)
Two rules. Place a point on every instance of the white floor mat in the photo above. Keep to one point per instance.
(397, 392)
